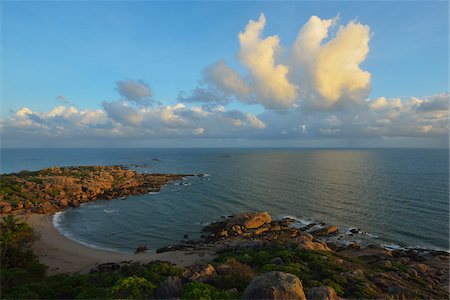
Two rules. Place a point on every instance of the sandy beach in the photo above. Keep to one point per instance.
(63, 255)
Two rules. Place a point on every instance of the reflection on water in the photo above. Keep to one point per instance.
(399, 195)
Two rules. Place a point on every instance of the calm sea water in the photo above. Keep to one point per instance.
(400, 196)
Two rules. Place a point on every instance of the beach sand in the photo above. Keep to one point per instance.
(63, 255)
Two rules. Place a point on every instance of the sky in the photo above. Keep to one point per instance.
(224, 74)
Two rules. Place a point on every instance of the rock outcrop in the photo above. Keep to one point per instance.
(275, 285)
(53, 189)
(260, 228)
(249, 220)
(5, 207)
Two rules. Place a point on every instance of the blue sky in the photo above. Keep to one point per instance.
(81, 49)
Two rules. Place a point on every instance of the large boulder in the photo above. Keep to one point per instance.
(250, 220)
(170, 287)
(46, 207)
(5, 207)
(63, 203)
(306, 241)
(322, 293)
(275, 285)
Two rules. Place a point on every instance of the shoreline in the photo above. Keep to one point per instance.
(63, 255)
(258, 245)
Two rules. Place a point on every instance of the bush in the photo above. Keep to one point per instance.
(133, 288)
(153, 272)
(203, 291)
(16, 238)
(337, 287)
(238, 277)
(92, 292)
(262, 257)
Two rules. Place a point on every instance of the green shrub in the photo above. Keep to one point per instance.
(262, 257)
(239, 276)
(92, 292)
(286, 255)
(153, 272)
(203, 291)
(133, 288)
(16, 238)
(337, 287)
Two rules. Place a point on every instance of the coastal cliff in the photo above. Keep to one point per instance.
(53, 189)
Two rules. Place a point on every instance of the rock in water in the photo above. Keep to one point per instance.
(326, 230)
(322, 293)
(250, 220)
(141, 248)
(169, 288)
(275, 285)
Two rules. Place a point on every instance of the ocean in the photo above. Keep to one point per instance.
(395, 197)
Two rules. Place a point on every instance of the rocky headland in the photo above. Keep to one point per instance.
(288, 262)
(248, 256)
(53, 189)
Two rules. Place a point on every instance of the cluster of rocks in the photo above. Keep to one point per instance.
(402, 273)
(252, 229)
(271, 285)
(53, 189)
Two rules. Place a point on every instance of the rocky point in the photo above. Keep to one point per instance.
(53, 189)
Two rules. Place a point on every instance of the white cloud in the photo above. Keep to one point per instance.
(332, 68)
(378, 118)
(321, 72)
(382, 103)
(199, 131)
(227, 79)
(254, 122)
(435, 103)
(259, 55)
(136, 91)
(121, 112)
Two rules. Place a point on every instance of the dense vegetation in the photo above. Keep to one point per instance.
(314, 268)
(23, 277)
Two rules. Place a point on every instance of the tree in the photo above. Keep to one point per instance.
(15, 239)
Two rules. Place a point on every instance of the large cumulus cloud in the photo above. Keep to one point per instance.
(319, 71)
